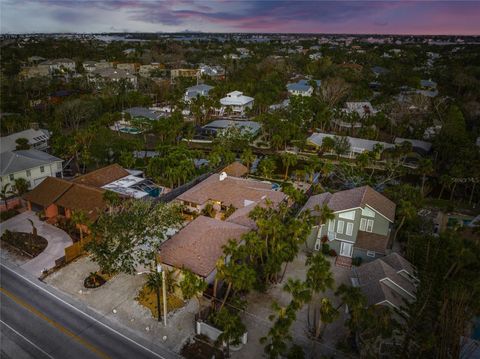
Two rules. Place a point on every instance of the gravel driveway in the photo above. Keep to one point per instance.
(57, 241)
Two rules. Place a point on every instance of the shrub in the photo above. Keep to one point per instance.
(324, 239)
(325, 248)
(332, 253)
(356, 261)
(7, 214)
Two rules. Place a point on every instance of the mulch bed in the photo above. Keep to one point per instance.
(94, 280)
(200, 348)
(25, 243)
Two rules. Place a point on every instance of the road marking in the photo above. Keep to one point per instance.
(27, 340)
(85, 314)
(57, 325)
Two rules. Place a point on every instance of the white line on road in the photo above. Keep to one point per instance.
(27, 340)
(85, 314)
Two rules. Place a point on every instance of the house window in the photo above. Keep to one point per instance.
(340, 227)
(349, 229)
(371, 254)
(347, 215)
(42, 169)
(29, 173)
(367, 212)
(11, 177)
(331, 225)
(370, 225)
(363, 224)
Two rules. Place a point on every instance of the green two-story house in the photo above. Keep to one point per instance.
(362, 223)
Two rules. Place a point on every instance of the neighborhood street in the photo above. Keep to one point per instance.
(38, 322)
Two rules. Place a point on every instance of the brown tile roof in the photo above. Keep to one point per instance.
(239, 192)
(235, 169)
(371, 242)
(316, 200)
(356, 197)
(371, 278)
(199, 244)
(102, 176)
(397, 262)
(87, 199)
(48, 191)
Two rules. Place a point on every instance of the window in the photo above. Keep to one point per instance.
(347, 215)
(340, 227)
(42, 169)
(29, 173)
(331, 225)
(11, 177)
(349, 229)
(370, 253)
(367, 212)
(317, 245)
(363, 224)
(369, 225)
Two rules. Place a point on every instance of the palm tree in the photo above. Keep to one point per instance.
(425, 168)
(288, 159)
(5, 193)
(355, 301)
(80, 219)
(328, 314)
(318, 279)
(247, 158)
(21, 186)
(191, 286)
(325, 214)
(405, 210)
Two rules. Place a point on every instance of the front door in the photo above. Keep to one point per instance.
(346, 249)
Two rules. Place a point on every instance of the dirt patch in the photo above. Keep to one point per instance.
(26, 243)
(148, 298)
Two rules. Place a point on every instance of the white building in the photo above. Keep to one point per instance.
(37, 139)
(302, 88)
(237, 102)
(32, 165)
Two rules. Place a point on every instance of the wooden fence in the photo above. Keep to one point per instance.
(76, 249)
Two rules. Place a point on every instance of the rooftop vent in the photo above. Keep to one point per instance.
(222, 176)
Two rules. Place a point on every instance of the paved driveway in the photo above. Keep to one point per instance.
(57, 241)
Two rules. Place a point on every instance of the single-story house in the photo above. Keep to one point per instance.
(143, 113)
(302, 88)
(198, 246)
(196, 91)
(389, 281)
(421, 147)
(219, 126)
(37, 139)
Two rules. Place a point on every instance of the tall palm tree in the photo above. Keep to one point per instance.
(80, 219)
(288, 160)
(324, 215)
(425, 168)
(327, 314)
(5, 193)
(405, 210)
(247, 158)
(318, 279)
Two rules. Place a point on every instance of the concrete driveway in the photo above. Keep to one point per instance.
(57, 241)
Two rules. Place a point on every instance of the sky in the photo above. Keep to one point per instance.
(430, 17)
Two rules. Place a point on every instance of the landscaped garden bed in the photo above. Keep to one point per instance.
(94, 280)
(148, 298)
(201, 348)
(29, 244)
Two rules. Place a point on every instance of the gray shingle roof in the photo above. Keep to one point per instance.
(15, 161)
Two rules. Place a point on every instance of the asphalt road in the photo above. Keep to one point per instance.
(38, 322)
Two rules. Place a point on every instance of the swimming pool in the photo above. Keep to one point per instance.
(130, 130)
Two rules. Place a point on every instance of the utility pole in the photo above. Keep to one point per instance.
(164, 290)
(157, 267)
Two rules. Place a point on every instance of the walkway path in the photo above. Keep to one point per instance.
(57, 241)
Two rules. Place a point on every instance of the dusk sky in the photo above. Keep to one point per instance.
(380, 17)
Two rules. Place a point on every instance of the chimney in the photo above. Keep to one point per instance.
(222, 176)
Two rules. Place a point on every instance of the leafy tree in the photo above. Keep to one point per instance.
(231, 325)
(130, 234)
(21, 186)
(22, 144)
